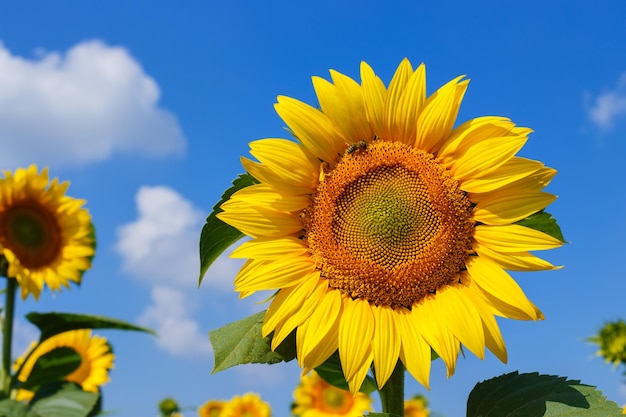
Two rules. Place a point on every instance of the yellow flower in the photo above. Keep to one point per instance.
(95, 353)
(45, 236)
(247, 405)
(611, 340)
(212, 408)
(315, 397)
(386, 230)
(416, 407)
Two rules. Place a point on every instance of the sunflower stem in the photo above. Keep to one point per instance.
(7, 334)
(392, 393)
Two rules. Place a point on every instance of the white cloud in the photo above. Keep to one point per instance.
(170, 316)
(161, 246)
(81, 106)
(609, 106)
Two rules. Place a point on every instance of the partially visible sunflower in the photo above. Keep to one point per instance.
(611, 340)
(315, 397)
(247, 405)
(93, 371)
(416, 407)
(45, 236)
(212, 408)
(386, 230)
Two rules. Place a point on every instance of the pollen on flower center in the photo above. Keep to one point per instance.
(389, 224)
(31, 232)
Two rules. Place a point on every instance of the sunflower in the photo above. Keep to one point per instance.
(416, 407)
(212, 408)
(247, 405)
(387, 231)
(95, 353)
(45, 236)
(315, 397)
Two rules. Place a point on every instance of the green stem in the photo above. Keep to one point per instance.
(392, 393)
(7, 334)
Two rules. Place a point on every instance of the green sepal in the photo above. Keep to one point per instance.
(332, 372)
(544, 222)
(52, 366)
(242, 342)
(216, 235)
(521, 395)
(51, 324)
(65, 399)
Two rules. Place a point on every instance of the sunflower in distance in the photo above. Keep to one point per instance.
(46, 237)
(94, 351)
(315, 397)
(416, 407)
(212, 408)
(386, 230)
(247, 405)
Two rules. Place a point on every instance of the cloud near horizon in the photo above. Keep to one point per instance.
(609, 106)
(81, 106)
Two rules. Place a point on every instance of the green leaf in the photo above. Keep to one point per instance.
(331, 372)
(51, 367)
(65, 399)
(544, 222)
(529, 395)
(51, 324)
(12, 408)
(241, 342)
(216, 235)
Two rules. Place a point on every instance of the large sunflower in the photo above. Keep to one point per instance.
(315, 397)
(95, 353)
(45, 236)
(386, 230)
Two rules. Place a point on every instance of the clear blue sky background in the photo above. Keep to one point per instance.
(146, 107)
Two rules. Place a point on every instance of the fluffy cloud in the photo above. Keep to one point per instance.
(79, 107)
(609, 106)
(170, 316)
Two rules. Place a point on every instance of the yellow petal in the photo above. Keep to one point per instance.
(394, 93)
(259, 275)
(470, 133)
(434, 331)
(514, 238)
(461, 318)
(263, 195)
(495, 281)
(271, 248)
(311, 127)
(386, 343)
(258, 221)
(486, 156)
(356, 331)
(288, 160)
(514, 261)
(324, 349)
(410, 105)
(435, 123)
(415, 352)
(374, 94)
(287, 301)
(505, 209)
(319, 323)
(511, 171)
(266, 176)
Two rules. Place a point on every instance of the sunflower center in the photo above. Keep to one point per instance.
(389, 224)
(31, 232)
(332, 400)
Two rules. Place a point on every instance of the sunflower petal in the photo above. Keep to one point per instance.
(506, 209)
(356, 330)
(263, 195)
(319, 323)
(514, 261)
(288, 160)
(259, 221)
(514, 238)
(287, 301)
(386, 343)
(415, 352)
(374, 94)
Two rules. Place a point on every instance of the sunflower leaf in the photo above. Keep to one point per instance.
(519, 395)
(331, 372)
(63, 399)
(544, 222)
(217, 236)
(51, 367)
(51, 324)
(242, 342)
(12, 408)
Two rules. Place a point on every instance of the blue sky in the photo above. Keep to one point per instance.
(146, 107)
